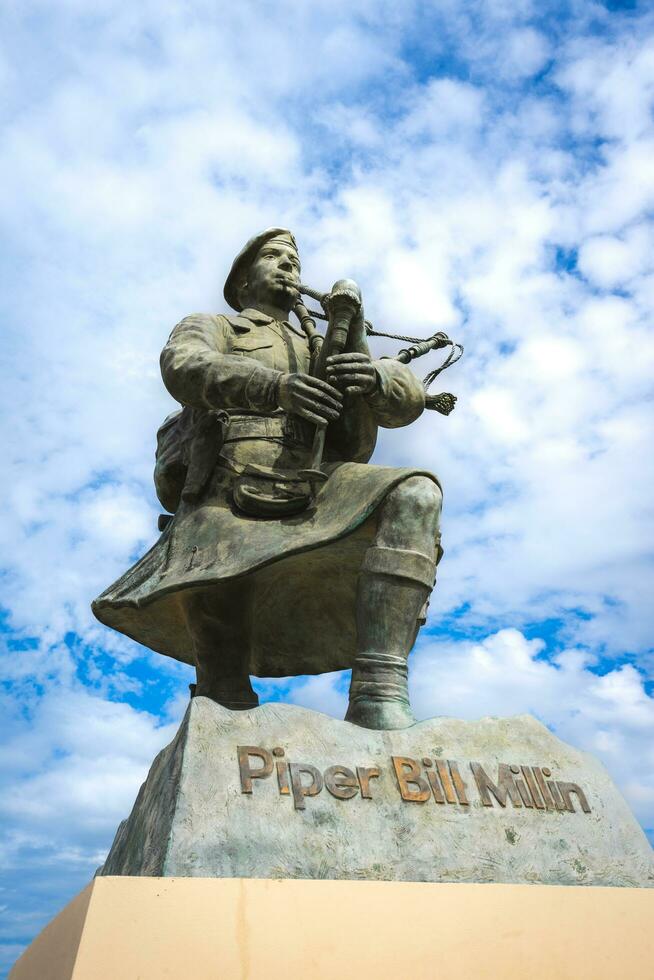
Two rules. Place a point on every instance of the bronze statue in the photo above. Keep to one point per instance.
(287, 553)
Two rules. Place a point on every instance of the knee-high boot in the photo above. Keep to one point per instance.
(393, 586)
(234, 692)
(219, 627)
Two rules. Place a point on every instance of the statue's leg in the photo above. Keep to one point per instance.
(396, 579)
(218, 622)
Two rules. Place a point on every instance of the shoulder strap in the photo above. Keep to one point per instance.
(237, 322)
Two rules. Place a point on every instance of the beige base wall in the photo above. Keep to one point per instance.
(210, 928)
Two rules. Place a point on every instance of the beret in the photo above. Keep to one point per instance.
(244, 260)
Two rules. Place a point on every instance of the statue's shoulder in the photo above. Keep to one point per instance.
(212, 323)
(202, 321)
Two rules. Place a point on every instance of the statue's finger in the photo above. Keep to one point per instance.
(327, 405)
(322, 413)
(311, 417)
(320, 408)
(349, 366)
(353, 356)
(318, 383)
(328, 395)
(354, 377)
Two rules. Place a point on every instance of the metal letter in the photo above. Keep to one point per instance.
(533, 789)
(282, 777)
(411, 776)
(554, 792)
(364, 775)
(506, 786)
(566, 789)
(445, 781)
(247, 774)
(525, 795)
(434, 782)
(459, 785)
(300, 791)
(540, 779)
(341, 782)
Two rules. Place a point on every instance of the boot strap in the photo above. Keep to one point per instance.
(400, 563)
(379, 677)
(374, 662)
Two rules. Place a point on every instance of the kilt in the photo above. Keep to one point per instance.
(301, 571)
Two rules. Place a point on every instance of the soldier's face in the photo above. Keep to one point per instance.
(273, 274)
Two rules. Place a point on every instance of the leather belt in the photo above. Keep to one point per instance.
(284, 427)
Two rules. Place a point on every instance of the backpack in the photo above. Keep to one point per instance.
(188, 443)
(172, 456)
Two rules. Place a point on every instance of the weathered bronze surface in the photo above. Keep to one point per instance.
(285, 552)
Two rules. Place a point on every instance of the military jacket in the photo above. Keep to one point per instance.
(234, 363)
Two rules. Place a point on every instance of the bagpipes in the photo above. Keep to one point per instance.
(347, 297)
(339, 308)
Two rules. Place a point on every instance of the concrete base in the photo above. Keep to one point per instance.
(208, 928)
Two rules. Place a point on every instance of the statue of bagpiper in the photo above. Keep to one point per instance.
(283, 551)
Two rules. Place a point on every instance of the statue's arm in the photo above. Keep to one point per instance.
(198, 372)
(399, 397)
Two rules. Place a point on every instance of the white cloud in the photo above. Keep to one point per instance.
(79, 764)
(528, 52)
(70, 765)
(611, 262)
(445, 107)
(613, 84)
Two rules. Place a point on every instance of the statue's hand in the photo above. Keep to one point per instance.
(310, 398)
(353, 373)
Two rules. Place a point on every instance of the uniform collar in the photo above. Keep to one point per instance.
(255, 316)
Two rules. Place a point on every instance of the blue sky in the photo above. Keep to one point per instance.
(481, 168)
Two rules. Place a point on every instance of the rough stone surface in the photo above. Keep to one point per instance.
(191, 817)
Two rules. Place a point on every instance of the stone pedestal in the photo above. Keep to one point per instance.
(463, 817)
(282, 792)
(178, 928)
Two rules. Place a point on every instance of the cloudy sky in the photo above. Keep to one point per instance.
(482, 168)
